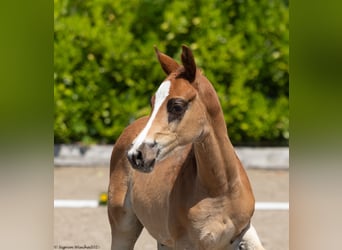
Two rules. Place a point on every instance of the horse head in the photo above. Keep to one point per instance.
(179, 112)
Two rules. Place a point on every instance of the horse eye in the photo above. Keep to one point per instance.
(176, 108)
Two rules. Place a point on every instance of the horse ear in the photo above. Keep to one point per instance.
(188, 63)
(167, 63)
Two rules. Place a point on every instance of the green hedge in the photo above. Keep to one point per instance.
(106, 69)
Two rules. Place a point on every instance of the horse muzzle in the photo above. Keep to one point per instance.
(144, 157)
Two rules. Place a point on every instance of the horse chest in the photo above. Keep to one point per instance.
(150, 200)
(151, 192)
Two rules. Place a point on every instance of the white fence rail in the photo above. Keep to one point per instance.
(251, 157)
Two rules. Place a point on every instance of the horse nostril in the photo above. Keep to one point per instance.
(136, 158)
(144, 157)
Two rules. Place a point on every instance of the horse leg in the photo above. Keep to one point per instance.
(125, 226)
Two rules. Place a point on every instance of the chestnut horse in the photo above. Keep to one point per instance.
(176, 172)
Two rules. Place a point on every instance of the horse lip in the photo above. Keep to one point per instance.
(145, 168)
(150, 167)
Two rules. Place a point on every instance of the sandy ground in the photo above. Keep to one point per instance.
(88, 228)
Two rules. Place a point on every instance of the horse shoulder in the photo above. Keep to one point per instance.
(120, 170)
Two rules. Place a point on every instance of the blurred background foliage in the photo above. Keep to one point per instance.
(105, 69)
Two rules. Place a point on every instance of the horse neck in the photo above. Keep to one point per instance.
(218, 167)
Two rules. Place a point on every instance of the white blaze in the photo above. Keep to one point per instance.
(161, 94)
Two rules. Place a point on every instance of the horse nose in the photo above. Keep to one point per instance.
(144, 157)
(135, 158)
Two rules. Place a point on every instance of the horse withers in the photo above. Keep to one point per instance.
(176, 172)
